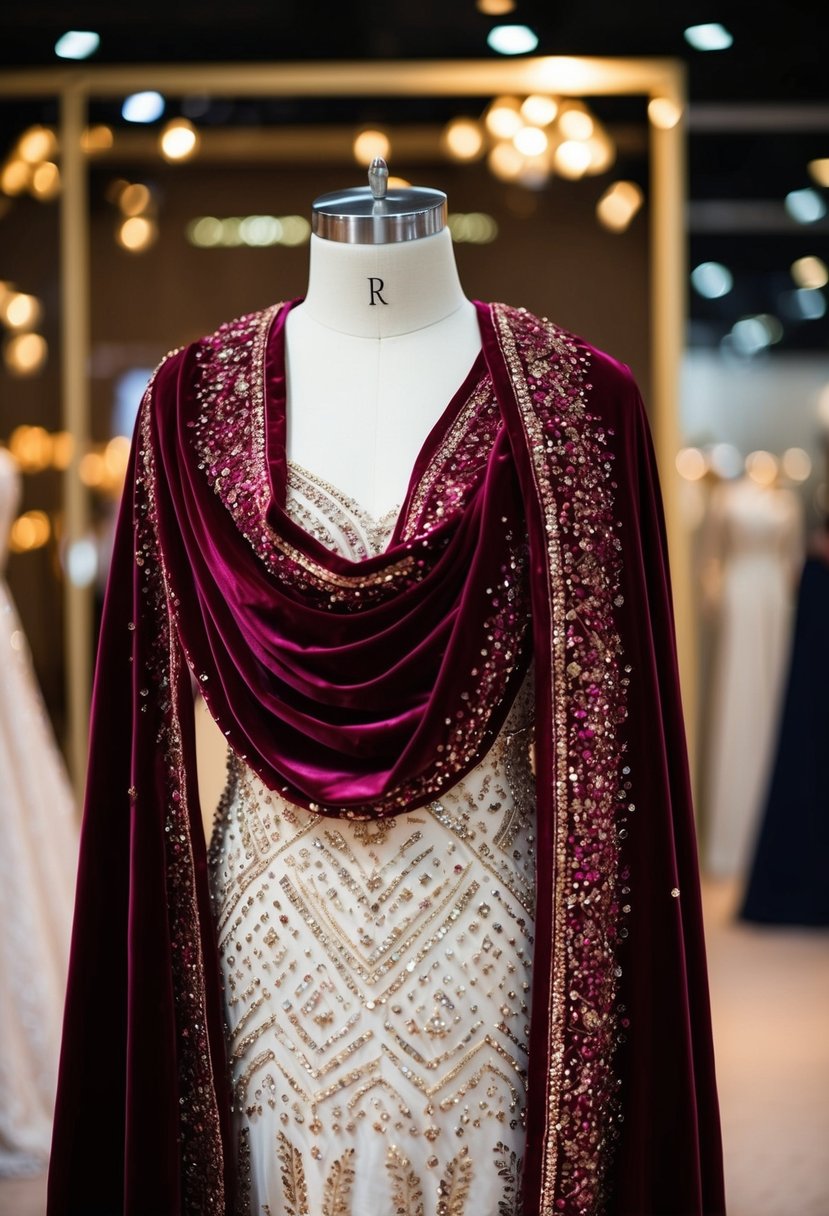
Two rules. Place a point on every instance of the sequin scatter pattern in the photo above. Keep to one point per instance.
(229, 440)
(377, 977)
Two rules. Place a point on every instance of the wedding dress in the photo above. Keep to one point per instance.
(755, 534)
(377, 975)
(38, 859)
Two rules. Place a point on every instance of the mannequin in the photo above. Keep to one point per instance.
(385, 304)
(400, 968)
(37, 876)
(398, 333)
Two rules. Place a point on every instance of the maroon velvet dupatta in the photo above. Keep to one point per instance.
(532, 524)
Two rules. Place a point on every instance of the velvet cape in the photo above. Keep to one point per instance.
(622, 1105)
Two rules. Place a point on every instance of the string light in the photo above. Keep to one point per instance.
(143, 107)
(551, 135)
(691, 464)
(810, 272)
(512, 39)
(37, 144)
(371, 143)
(463, 139)
(618, 205)
(25, 354)
(98, 138)
(213, 232)
(15, 176)
(530, 141)
(137, 233)
(46, 181)
(29, 531)
(179, 140)
(20, 311)
(664, 113)
(539, 110)
(77, 44)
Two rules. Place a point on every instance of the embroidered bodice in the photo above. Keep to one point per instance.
(377, 974)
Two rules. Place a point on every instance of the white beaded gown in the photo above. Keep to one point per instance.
(755, 533)
(377, 975)
(38, 859)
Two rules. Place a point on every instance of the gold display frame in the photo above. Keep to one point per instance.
(560, 75)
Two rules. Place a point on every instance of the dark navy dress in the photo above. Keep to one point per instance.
(787, 880)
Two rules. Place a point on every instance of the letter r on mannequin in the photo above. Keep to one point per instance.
(375, 287)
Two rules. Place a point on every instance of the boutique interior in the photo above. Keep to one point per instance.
(145, 201)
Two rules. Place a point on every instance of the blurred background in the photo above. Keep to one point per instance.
(672, 211)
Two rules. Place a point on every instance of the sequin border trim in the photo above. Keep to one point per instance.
(572, 469)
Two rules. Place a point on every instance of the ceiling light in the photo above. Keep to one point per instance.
(46, 181)
(805, 206)
(803, 304)
(725, 460)
(530, 141)
(709, 37)
(97, 138)
(369, 144)
(712, 280)
(136, 233)
(664, 113)
(134, 198)
(812, 304)
(37, 144)
(15, 176)
(539, 110)
(810, 272)
(797, 464)
(602, 152)
(505, 161)
(511, 39)
(463, 139)
(575, 123)
(691, 464)
(503, 118)
(618, 205)
(21, 311)
(761, 467)
(179, 140)
(750, 335)
(474, 227)
(143, 107)
(81, 562)
(572, 158)
(495, 8)
(77, 44)
(25, 354)
(819, 170)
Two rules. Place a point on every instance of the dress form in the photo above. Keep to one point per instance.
(382, 341)
(375, 352)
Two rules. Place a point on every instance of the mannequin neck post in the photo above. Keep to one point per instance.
(382, 291)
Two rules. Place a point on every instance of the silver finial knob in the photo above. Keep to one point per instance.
(378, 177)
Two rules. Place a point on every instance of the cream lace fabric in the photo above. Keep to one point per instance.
(377, 975)
(38, 858)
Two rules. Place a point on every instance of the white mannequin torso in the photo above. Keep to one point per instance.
(365, 385)
(370, 369)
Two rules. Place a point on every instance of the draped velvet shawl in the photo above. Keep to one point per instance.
(532, 525)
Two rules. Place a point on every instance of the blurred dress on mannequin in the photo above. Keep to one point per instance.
(787, 879)
(38, 860)
(751, 553)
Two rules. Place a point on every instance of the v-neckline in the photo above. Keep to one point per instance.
(274, 404)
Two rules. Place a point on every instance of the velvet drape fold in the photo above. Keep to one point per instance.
(533, 524)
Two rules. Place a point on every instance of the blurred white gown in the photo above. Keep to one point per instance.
(754, 534)
(38, 857)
